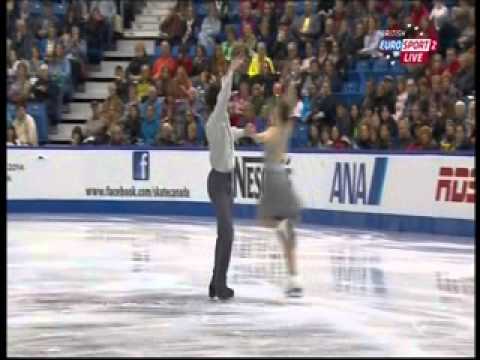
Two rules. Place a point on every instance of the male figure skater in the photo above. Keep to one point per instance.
(221, 137)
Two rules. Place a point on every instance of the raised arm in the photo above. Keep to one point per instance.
(226, 90)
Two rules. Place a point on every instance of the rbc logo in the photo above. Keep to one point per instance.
(141, 165)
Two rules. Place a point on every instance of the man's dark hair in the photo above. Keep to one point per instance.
(211, 96)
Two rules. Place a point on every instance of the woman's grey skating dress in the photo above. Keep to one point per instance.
(278, 199)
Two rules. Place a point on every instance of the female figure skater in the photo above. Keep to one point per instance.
(279, 206)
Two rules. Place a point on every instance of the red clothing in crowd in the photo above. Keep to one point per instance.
(453, 67)
(169, 62)
(186, 63)
(418, 14)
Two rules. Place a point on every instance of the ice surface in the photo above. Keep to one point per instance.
(137, 286)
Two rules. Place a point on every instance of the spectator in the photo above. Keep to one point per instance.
(258, 98)
(387, 119)
(371, 39)
(96, 126)
(113, 100)
(313, 77)
(363, 140)
(342, 120)
(192, 137)
(143, 85)
(401, 99)
(153, 100)
(239, 103)
(324, 106)
(95, 28)
(39, 90)
(465, 78)
(211, 26)
(200, 61)
(132, 124)
(25, 127)
(280, 47)
(73, 18)
(325, 140)
(150, 126)
(266, 34)
(249, 39)
(333, 76)
(404, 136)
(175, 25)
(309, 56)
(470, 121)
(182, 89)
(78, 53)
(117, 137)
(273, 100)
(439, 14)
(192, 27)
(354, 118)
(165, 84)
(165, 59)
(261, 64)
(165, 136)
(11, 136)
(133, 98)
(374, 142)
(23, 40)
(461, 140)
(452, 63)
(356, 44)
(423, 139)
(228, 44)
(418, 12)
(19, 90)
(385, 142)
(61, 72)
(448, 141)
(135, 66)
(313, 136)
(121, 84)
(77, 136)
(219, 63)
(339, 141)
(307, 26)
(289, 15)
(460, 112)
(35, 62)
(105, 10)
(184, 60)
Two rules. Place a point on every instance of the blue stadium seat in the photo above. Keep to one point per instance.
(299, 8)
(362, 65)
(300, 136)
(36, 8)
(59, 9)
(38, 111)
(350, 87)
(192, 51)
(398, 69)
(381, 65)
(11, 113)
(175, 51)
(42, 46)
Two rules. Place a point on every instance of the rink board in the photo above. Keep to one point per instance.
(421, 193)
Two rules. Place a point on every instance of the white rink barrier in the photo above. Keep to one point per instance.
(421, 192)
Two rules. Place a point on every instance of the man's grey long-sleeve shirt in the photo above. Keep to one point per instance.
(220, 134)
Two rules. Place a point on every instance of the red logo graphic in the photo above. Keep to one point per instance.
(456, 185)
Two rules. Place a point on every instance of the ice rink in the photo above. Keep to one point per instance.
(137, 286)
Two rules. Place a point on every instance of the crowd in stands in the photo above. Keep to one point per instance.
(348, 95)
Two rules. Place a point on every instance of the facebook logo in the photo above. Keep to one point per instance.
(141, 165)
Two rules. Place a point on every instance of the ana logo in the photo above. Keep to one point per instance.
(456, 185)
(141, 165)
(350, 184)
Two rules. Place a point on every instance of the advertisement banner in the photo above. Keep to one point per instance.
(424, 185)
